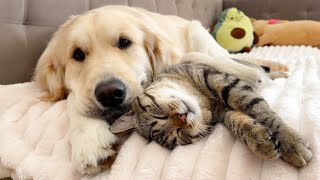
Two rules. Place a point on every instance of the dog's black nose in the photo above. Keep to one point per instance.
(110, 93)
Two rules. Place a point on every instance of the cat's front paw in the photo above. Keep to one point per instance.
(294, 149)
(262, 142)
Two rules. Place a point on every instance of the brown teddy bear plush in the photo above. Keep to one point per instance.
(277, 32)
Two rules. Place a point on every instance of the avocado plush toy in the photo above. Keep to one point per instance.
(234, 31)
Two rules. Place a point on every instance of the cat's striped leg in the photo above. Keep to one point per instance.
(293, 148)
(240, 96)
(258, 138)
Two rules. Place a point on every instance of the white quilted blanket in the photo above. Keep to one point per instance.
(34, 141)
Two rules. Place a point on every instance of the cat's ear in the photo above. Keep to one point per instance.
(124, 123)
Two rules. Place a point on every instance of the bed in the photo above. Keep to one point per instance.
(34, 139)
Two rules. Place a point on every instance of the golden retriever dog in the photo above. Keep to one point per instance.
(100, 61)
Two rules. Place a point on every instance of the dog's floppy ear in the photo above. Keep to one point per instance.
(50, 69)
(160, 50)
(49, 74)
(125, 123)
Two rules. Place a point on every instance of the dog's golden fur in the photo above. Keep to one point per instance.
(56, 67)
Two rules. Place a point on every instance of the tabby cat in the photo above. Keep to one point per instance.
(184, 103)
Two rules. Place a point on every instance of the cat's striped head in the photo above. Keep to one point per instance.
(167, 116)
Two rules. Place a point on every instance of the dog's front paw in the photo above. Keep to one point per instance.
(90, 161)
(253, 77)
(92, 149)
(294, 149)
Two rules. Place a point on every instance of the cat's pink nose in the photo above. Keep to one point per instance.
(182, 117)
(179, 120)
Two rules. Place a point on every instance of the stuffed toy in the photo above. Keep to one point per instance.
(279, 32)
(234, 31)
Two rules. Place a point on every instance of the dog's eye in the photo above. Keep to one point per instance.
(124, 43)
(78, 55)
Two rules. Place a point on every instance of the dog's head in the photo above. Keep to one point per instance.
(104, 57)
